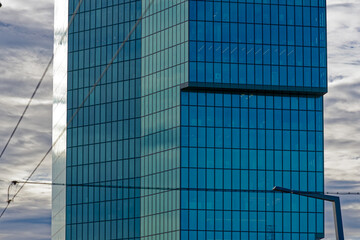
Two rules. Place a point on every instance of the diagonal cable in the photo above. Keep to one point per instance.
(80, 106)
(40, 81)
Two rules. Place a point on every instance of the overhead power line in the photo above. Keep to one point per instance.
(82, 104)
(35, 91)
(119, 186)
(40, 81)
(115, 186)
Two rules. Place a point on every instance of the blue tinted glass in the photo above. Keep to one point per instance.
(207, 94)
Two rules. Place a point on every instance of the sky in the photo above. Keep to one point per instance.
(26, 46)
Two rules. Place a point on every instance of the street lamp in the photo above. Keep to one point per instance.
(336, 207)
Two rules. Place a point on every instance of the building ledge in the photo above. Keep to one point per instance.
(239, 88)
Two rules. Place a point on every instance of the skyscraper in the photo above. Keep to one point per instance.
(207, 107)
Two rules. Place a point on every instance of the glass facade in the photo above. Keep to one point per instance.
(259, 43)
(252, 119)
(103, 141)
(207, 107)
(124, 140)
(234, 144)
(164, 68)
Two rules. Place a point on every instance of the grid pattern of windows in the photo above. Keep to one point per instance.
(233, 142)
(258, 42)
(128, 132)
(103, 141)
(143, 127)
(164, 68)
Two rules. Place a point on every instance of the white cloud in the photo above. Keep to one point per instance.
(25, 47)
(342, 111)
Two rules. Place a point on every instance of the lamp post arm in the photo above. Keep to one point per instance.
(336, 207)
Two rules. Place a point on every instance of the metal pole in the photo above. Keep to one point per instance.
(338, 219)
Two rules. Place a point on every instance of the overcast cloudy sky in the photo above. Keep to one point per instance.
(26, 38)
